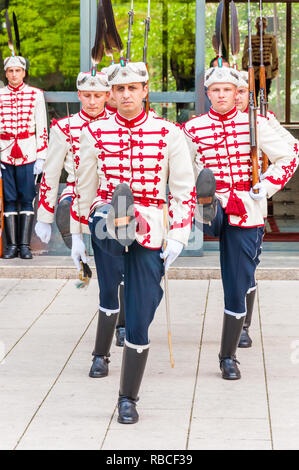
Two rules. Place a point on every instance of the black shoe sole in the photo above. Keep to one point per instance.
(124, 421)
(245, 346)
(97, 376)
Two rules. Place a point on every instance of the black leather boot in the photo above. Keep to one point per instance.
(132, 369)
(120, 331)
(205, 190)
(231, 331)
(26, 222)
(245, 340)
(11, 231)
(104, 336)
(121, 222)
(63, 214)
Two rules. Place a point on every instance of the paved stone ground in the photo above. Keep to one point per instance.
(47, 400)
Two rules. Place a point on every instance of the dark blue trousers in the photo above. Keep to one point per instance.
(240, 249)
(18, 187)
(143, 270)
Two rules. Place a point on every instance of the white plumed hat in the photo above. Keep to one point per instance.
(132, 72)
(221, 75)
(14, 61)
(92, 81)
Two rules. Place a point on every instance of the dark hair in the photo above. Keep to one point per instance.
(216, 58)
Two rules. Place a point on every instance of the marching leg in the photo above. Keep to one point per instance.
(120, 331)
(11, 231)
(231, 331)
(132, 369)
(245, 340)
(104, 336)
(110, 273)
(26, 221)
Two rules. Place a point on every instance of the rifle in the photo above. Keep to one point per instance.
(263, 97)
(131, 19)
(147, 22)
(252, 109)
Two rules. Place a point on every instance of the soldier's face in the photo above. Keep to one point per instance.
(93, 102)
(222, 96)
(129, 98)
(242, 99)
(15, 75)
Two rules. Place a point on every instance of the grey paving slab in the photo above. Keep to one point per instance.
(274, 265)
(31, 368)
(49, 402)
(18, 311)
(77, 412)
(85, 419)
(6, 285)
(279, 319)
(229, 410)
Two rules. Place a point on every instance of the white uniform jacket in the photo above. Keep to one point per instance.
(275, 124)
(23, 129)
(146, 153)
(62, 155)
(221, 143)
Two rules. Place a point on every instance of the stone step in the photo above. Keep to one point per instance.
(273, 266)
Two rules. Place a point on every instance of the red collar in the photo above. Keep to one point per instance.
(111, 109)
(137, 121)
(246, 110)
(15, 89)
(86, 117)
(223, 117)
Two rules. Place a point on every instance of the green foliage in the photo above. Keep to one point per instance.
(49, 35)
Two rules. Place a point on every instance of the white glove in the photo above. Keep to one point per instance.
(78, 250)
(261, 194)
(172, 251)
(43, 231)
(38, 166)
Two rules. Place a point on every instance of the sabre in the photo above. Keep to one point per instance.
(85, 273)
(167, 304)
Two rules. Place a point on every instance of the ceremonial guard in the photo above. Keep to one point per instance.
(64, 152)
(270, 56)
(242, 101)
(23, 143)
(232, 210)
(126, 163)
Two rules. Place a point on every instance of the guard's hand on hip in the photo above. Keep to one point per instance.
(38, 166)
(262, 192)
(43, 231)
(171, 252)
(78, 250)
